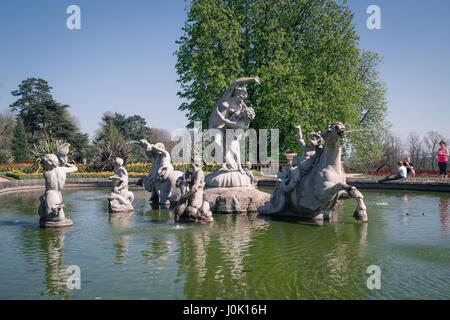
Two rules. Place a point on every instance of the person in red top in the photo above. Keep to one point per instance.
(443, 154)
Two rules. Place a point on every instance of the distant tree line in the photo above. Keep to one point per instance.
(36, 124)
(390, 149)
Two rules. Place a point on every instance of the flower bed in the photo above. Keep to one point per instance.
(419, 173)
(28, 170)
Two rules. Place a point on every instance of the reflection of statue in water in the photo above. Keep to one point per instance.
(234, 237)
(444, 210)
(51, 208)
(314, 184)
(121, 222)
(56, 276)
(120, 199)
(162, 178)
(230, 112)
(192, 207)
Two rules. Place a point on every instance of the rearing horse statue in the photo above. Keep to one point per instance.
(313, 194)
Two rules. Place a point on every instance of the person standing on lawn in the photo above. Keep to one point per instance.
(409, 167)
(443, 154)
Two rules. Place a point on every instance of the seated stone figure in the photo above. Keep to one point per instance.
(192, 207)
(310, 151)
(162, 178)
(51, 207)
(287, 180)
(120, 199)
(302, 165)
(248, 171)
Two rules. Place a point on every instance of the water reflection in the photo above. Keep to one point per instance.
(236, 257)
(120, 221)
(52, 242)
(444, 213)
(217, 253)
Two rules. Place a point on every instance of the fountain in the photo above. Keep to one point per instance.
(230, 189)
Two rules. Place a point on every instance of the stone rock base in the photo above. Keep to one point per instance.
(183, 213)
(235, 200)
(55, 223)
(227, 179)
(200, 218)
(305, 214)
(115, 208)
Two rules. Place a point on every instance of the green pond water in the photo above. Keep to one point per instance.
(145, 255)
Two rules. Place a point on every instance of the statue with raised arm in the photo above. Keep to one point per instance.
(162, 178)
(51, 207)
(192, 206)
(231, 102)
(231, 112)
(121, 198)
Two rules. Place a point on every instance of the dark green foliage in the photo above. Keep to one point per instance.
(118, 127)
(19, 144)
(132, 128)
(111, 134)
(7, 123)
(44, 118)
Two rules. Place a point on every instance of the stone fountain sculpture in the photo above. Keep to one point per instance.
(121, 198)
(192, 206)
(161, 181)
(316, 181)
(51, 207)
(230, 189)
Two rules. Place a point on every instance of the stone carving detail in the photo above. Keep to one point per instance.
(316, 181)
(249, 173)
(161, 181)
(51, 207)
(191, 206)
(230, 112)
(121, 198)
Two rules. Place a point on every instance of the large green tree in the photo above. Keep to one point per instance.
(19, 144)
(120, 128)
(364, 148)
(131, 128)
(306, 51)
(44, 118)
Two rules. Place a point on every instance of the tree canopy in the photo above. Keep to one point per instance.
(43, 117)
(131, 128)
(306, 52)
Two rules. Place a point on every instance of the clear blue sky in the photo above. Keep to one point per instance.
(122, 58)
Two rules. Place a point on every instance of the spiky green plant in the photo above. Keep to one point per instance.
(108, 151)
(44, 147)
